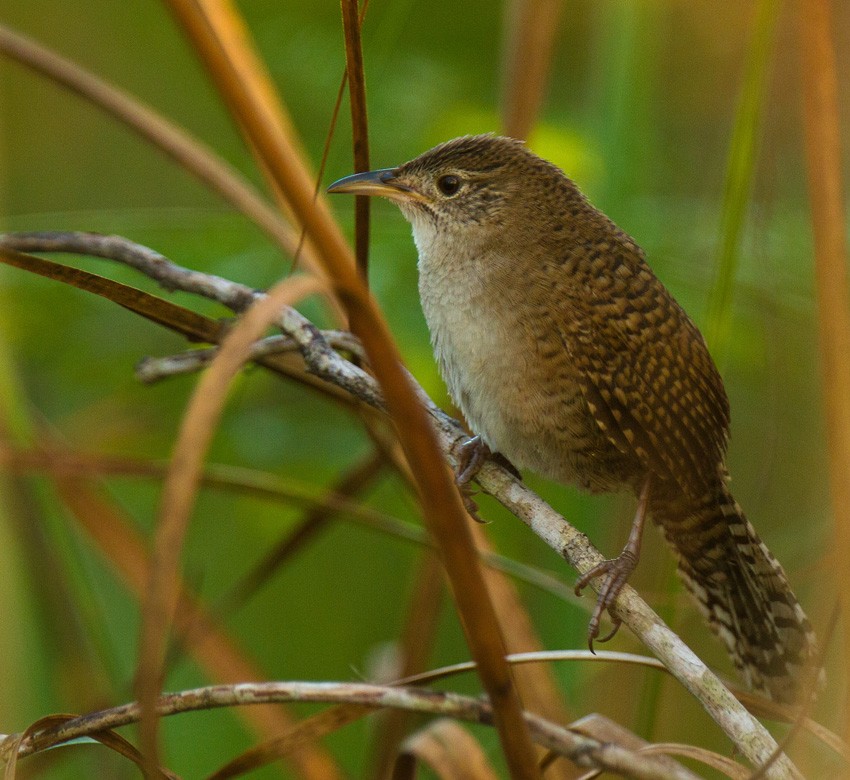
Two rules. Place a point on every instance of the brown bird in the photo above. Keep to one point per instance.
(569, 357)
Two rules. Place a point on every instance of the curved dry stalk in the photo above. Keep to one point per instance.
(539, 656)
(531, 27)
(178, 499)
(714, 760)
(821, 124)
(216, 652)
(107, 737)
(448, 749)
(441, 504)
(584, 751)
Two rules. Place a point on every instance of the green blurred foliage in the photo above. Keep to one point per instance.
(639, 111)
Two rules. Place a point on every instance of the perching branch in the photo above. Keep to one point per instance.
(747, 734)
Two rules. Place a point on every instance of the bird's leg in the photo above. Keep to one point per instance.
(617, 571)
(470, 458)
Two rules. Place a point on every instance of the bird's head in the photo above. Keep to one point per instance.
(471, 185)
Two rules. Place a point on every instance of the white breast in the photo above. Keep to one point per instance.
(490, 355)
(469, 330)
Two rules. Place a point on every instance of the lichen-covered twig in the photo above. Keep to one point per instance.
(583, 751)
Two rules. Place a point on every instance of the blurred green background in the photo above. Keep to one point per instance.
(640, 109)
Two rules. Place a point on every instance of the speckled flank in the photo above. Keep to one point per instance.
(569, 356)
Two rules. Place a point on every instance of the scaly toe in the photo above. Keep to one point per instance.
(469, 504)
(470, 458)
(616, 572)
(615, 627)
(597, 571)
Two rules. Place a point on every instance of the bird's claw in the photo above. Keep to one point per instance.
(616, 572)
(466, 494)
(471, 456)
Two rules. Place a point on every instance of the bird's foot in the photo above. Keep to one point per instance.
(470, 458)
(616, 572)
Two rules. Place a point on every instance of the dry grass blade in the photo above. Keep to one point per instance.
(535, 682)
(443, 509)
(448, 749)
(353, 482)
(414, 647)
(190, 153)
(531, 27)
(178, 318)
(722, 764)
(213, 650)
(821, 123)
(306, 732)
(178, 499)
(108, 738)
(359, 127)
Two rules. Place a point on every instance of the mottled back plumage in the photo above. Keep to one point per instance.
(566, 354)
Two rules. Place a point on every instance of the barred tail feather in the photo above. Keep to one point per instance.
(744, 595)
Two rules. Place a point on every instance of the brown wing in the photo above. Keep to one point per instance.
(645, 371)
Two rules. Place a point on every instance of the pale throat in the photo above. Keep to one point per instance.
(471, 325)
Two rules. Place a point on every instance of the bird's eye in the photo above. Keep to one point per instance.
(448, 185)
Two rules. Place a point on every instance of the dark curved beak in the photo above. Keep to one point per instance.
(382, 182)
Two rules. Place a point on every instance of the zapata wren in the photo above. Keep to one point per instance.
(568, 356)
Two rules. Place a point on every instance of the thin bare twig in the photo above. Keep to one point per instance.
(154, 369)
